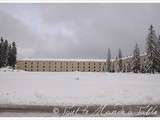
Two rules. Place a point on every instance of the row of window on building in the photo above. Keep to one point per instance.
(58, 66)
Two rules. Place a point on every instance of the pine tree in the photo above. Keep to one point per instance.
(109, 61)
(142, 68)
(116, 65)
(128, 66)
(152, 52)
(120, 65)
(158, 51)
(136, 59)
(14, 53)
(10, 55)
(112, 67)
(1, 52)
(5, 57)
(124, 68)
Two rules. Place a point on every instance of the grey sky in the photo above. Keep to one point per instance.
(77, 30)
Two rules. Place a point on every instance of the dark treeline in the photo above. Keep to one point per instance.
(146, 63)
(8, 53)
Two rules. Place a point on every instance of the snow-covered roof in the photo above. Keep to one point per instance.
(76, 59)
(46, 59)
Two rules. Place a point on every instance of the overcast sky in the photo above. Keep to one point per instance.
(77, 30)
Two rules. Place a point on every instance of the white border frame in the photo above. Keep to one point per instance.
(76, 2)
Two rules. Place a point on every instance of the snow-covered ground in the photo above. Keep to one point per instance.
(70, 88)
(9, 69)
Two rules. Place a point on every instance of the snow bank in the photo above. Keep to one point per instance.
(69, 88)
(9, 69)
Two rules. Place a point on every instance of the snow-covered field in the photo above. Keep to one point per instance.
(70, 88)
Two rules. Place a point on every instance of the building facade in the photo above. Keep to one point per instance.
(61, 65)
(70, 65)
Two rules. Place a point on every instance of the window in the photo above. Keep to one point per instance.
(43, 69)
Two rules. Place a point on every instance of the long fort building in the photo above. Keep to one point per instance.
(70, 65)
(61, 65)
